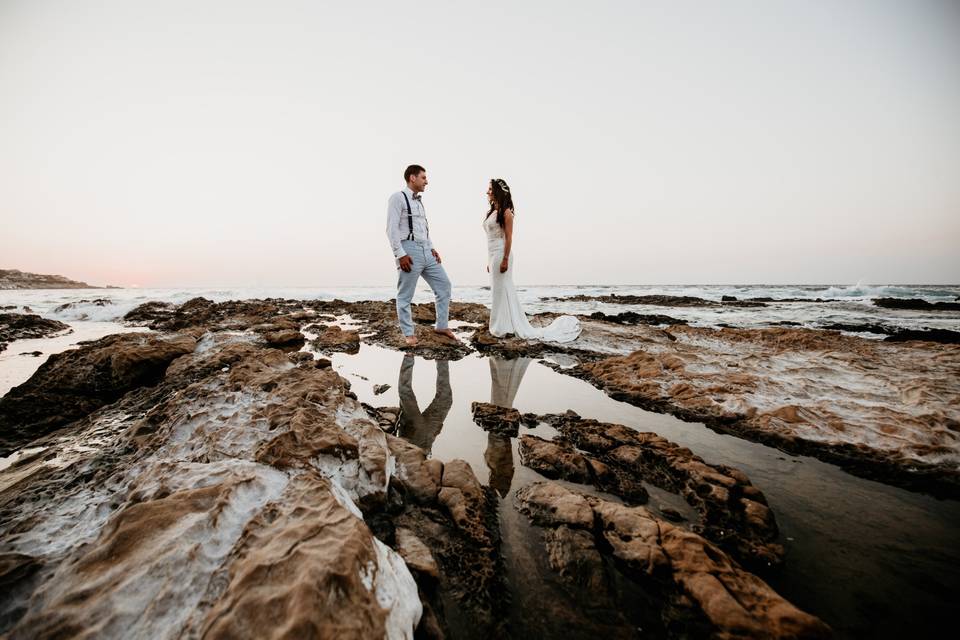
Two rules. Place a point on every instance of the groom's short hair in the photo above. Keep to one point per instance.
(412, 170)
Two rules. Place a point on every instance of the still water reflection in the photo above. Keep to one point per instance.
(422, 427)
(870, 559)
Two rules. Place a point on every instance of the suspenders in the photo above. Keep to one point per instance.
(410, 218)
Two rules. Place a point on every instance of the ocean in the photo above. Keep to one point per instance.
(845, 304)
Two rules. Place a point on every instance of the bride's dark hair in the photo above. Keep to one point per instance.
(502, 200)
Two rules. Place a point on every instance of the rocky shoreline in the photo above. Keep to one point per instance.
(899, 425)
(22, 326)
(220, 468)
(15, 279)
(915, 304)
(618, 460)
(217, 440)
(674, 301)
(788, 388)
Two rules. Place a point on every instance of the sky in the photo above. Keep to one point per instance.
(240, 143)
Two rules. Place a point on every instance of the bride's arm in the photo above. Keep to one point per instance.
(507, 239)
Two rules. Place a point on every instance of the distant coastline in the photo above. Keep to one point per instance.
(16, 279)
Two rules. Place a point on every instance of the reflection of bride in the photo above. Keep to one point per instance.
(506, 314)
(422, 428)
(505, 377)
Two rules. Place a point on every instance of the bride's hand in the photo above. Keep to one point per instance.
(504, 265)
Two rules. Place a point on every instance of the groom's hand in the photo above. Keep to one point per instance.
(406, 263)
(436, 255)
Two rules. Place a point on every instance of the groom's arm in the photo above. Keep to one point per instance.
(394, 233)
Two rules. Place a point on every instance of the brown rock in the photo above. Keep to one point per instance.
(423, 313)
(503, 421)
(698, 576)
(74, 383)
(573, 554)
(415, 474)
(283, 337)
(333, 339)
(633, 534)
(733, 512)
(416, 554)
(205, 497)
(554, 460)
(19, 326)
(746, 382)
(550, 505)
(309, 432)
(306, 557)
(430, 344)
(461, 494)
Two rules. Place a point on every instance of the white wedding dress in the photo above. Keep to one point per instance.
(506, 314)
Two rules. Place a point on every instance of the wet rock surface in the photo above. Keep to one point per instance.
(242, 493)
(20, 326)
(96, 302)
(916, 304)
(944, 336)
(554, 460)
(334, 338)
(898, 334)
(468, 591)
(616, 459)
(661, 300)
(496, 419)
(882, 410)
(632, 317)
(761, 384)
(699, 591)
(75, 383)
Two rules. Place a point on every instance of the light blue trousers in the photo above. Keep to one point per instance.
(424, 264)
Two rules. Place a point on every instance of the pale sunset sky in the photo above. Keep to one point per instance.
(239, 143)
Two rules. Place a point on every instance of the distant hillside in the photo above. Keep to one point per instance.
(14, 279)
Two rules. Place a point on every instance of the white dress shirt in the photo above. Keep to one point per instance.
(398, 228)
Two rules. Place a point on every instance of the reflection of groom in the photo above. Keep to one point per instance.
(409, 236)
(422, 428)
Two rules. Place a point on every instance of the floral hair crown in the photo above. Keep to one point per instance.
(502, 184)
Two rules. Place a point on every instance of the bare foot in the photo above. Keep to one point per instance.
(447, 332)
(411, 341)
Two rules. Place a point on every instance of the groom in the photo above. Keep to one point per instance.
(409, 236)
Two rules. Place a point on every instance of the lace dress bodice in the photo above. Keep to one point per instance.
(492, 229)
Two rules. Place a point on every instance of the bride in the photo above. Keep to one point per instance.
(506, 314)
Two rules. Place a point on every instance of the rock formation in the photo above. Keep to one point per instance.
(210, 480)
(617, 459)
(916, 304)
(701, 591)
(884, 410)
(20, 326)
(206, 484)
(75, 383)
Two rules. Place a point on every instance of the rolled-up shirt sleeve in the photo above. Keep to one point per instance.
(394, 233)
